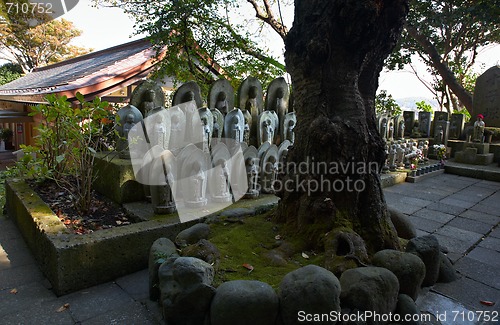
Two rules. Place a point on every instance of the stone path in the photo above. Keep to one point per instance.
(463, 213)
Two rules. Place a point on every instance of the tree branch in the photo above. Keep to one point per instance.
(268, 18)
(444, 71)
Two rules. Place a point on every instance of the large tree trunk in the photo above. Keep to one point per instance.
(334, 54)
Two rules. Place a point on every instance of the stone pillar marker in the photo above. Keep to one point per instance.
(487, 96)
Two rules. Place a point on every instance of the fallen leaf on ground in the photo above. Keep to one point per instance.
(62, 308)
(248, 267)
(487, 303)
(304, 255)
(13, 291)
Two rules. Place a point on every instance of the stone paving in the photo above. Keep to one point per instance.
(463, 213)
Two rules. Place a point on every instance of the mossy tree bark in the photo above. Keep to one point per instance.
(334, 54)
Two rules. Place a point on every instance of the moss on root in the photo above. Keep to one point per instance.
(246, 243)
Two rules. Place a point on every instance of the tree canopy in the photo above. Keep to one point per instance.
(32, 47)
(447, 36)
(9, 72)
(203, 35)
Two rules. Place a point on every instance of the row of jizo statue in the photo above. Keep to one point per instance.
(439, 130)
(193, 178)
(253, 122)
(192, 155)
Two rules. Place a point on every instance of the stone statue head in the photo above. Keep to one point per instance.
(221, 96)
(236, 119)
(130, 118)
(204, 120)
(188, 96)
(252, 92)
(280, 93)
(149, 95)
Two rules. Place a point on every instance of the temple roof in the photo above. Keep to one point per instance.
(93, 74)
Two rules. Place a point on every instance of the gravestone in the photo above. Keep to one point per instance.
(188, 92)
(456, 125)
(127, 117)
(251, 98)
(234, 125)
(399, 127)
(409, 117)
(221, 96)
(277, 98)
(487, 96)
(439, 116)
(424, 124)
(441, 132)
(390, 129)
(382, 123)
(267, 128)
(147, 96)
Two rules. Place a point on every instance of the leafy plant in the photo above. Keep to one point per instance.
(67, 141)
(424, 107)
(6, 134)
(385, 104)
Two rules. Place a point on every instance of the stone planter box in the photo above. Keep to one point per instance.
(72, 262)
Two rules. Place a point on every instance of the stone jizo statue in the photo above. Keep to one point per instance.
(222, 104)
(478, 134)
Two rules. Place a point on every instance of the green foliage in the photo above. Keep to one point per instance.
(465, 112)
(6, 134)
(10, 72)
(66, 142)
(424, 107)
(385, 104)
(201, 40)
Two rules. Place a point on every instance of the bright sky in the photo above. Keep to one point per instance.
(107, 27)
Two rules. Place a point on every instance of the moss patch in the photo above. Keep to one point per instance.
(247, 242)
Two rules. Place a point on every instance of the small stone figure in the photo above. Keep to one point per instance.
(391, 132)
(246, 132)
(222, 104)
(176, 136)
(252, 177)
(206, 135)
(401, 129)
(478, 134)
(126, 118)
(166, 202)
(160, 132)
(149, 102)
(198, 186)
(392, 158)
(129, 123)
(290, 134)
(439, 135)
(383, 129)
(222, 183)
(236, 128)
(268, 132)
